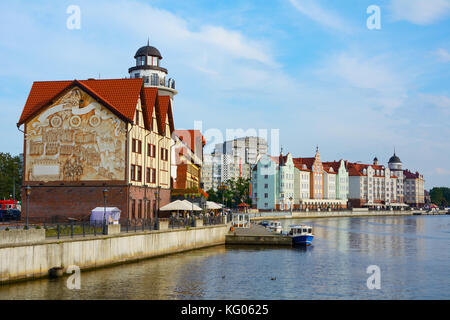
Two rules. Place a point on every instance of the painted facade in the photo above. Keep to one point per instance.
(75, 139)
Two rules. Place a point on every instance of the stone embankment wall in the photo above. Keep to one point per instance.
(30, 260)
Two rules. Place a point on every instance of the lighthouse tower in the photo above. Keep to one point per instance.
(148, 67)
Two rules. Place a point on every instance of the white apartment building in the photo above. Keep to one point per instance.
(232, 159)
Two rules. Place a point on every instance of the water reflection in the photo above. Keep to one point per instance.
(412, 252)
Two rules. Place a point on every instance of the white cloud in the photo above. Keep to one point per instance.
(371, 77)
(443, 55)
(420, 12)
(442, 171)
(329, 19)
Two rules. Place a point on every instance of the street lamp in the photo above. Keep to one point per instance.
(290, 198)
(105, 194)
(27, 192)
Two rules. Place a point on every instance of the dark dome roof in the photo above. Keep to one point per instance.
(148, 51)
(375, 159)
(394, 159)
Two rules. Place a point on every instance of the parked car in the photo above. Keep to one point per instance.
(9, 214)
(3, 214)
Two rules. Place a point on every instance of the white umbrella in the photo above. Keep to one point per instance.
(212, 205)
(192, 206)
(177, 205)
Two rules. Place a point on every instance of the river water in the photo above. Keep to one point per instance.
(412, 252)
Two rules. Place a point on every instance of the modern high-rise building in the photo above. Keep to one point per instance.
(232, 159)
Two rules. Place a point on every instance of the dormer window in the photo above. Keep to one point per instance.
(140, 61)
(153, 61)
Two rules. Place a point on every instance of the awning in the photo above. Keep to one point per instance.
(210, 205)
(191, 206)
(177, 205)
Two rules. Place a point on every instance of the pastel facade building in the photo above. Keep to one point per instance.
(84, 137)
(371, 185)
(303, 183)
(342, 179)
(414, 192)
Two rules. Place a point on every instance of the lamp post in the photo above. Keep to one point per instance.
(105, 194)
(290, 198)
(27, 192)
(157, 198)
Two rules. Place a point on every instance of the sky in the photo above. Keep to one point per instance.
(311, 69)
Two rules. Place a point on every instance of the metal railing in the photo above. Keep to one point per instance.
(209, 221)
(138, 225)
(74, 229)
(176, 223)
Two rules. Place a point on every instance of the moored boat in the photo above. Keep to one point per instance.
(301, 235)
(275, 226)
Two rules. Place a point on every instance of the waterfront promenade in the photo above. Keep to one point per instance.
(34, 258)
(332, 214)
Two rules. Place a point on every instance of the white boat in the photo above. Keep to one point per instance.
(301, 235)
(275, 226)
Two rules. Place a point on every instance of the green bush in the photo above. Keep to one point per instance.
(38, 227)
(6, 229)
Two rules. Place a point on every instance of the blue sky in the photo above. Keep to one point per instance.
(311, 69)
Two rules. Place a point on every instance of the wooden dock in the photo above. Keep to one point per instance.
(257, 235)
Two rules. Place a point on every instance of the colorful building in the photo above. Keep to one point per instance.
(82, 138)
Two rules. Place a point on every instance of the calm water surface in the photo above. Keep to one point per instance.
(413, 254)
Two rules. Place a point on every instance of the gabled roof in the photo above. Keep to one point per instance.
(355, 169)
(189, 138)
(119, 95)
(165, 109)
(149, 101)
(334, 164)
(309, 162)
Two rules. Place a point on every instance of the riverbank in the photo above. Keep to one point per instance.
(332, 214)
(22, 261)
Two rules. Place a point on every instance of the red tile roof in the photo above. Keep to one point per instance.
(193, 139)
(309, 162)
(149, 101)
(119, 95)
(165, 108)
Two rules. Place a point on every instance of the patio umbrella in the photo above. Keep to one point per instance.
(210, 205)
(191, 206)
(177, 205)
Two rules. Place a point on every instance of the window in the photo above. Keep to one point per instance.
(164, 154)
(154, 79)
(137, 117)
(266, 176)
(133, 209)
(139, 209)
(133, 172)
(133, 145)
(151, 150)
(266, 186)
(139, 173)
(266, 195)
(153, 175)
(139, 146)
(137, 75)
(148, 175)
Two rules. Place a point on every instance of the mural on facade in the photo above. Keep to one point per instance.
(75, 139)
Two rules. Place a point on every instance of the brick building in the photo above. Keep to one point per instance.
(82, 137)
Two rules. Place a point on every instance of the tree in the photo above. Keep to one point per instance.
(10, 173)
(232, 192)
(440, 196)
